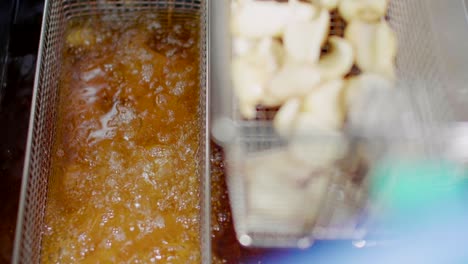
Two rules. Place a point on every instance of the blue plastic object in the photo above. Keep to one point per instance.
(413, 193)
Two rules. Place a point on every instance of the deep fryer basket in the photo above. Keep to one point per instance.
(431, 60)
(27, 247)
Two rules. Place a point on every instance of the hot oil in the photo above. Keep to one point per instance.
(124, 186)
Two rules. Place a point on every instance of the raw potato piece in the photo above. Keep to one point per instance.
(365, 10)
(327, 4)
(312, 130)
(247, 110)
(375, 46)
(285, 118)
(257, 19)
(252, 71)
(316, 147)
(248, 82)
(293, 80)
(269, 100)
(241, 46)
(278, 187)
(268, 54)
(339, 61)
(301, 11)
(278, 160)
(323, 105)
(303, 39)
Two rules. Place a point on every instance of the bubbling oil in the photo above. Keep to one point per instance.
(124, 186)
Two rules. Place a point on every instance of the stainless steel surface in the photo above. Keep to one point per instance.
(433, 94)
(221, 103)
(27, 248)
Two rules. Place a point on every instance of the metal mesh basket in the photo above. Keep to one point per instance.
(433, 95)
(27, 248)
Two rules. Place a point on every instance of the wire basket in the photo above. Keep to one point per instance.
(30, 225)
(429, 93)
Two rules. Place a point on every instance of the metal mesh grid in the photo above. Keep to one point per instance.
(79, 7)
(40, 140)
(27, 247)
(418, 62)
(259, 135)
(204, 150)
(420, 79)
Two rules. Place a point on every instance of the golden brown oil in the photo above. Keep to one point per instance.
(124, 186)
